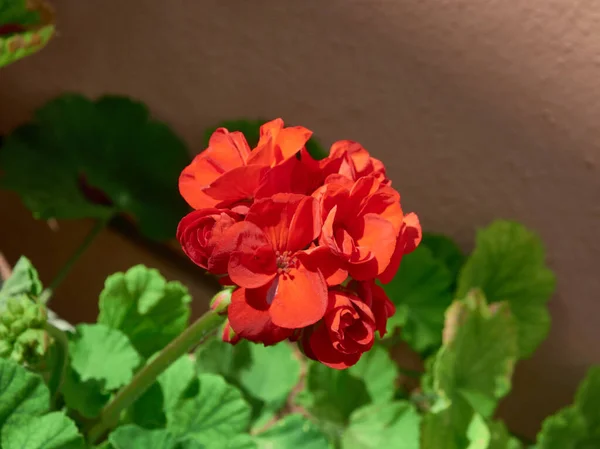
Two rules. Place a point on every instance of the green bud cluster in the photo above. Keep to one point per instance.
(22, 334)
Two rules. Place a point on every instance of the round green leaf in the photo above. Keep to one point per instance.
(292, 432)
(52, 431)
(273, 374)
(135, 437)
(395, 424)
(379, 373)
(22, 393)
(421, 291)
(146, 308)
(103, 354)
(508, 264)
(218, 410)
(130, 164)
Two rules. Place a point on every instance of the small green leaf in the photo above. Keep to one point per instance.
(326, 393)
(24, 280)
(103, 354)
(218, 410)
(394, 425)
(421, 291)
(23, 394)
(274, 372)
(87, 398)
(508, 264)
(131, 163)
(135, 437)
(577, 426)
(52, 431)
(446, 250)
(379, 373)
(146, 308)
(477, 359)
(292, 432)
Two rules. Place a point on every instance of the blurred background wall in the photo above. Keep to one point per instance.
(480, 108)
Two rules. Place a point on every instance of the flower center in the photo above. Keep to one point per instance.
(285, 261)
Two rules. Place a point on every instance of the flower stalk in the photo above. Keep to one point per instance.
(183, 344)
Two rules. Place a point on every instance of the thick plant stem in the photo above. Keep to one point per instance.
(66, 268)
(62, 363)
(181, 345)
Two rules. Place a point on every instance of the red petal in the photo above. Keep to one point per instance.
(300, 298)
(252, 262)
(377, 235)
(237, 184)
(323, 351)
(408, 239)
(322, 259)
(287, 220)
(249, 317)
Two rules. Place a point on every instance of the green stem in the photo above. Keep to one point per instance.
(181, 345)
(62, 359)
(66, 268)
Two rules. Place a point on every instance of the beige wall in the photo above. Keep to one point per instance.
(480, 108)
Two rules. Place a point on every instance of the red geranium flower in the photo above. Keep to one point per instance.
(264, 255)
(357, 162)
(199, 231)
(361, 221)
(227, 173)
(409, 237)
(345, 333)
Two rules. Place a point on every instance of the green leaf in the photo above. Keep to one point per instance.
(176, 380)
(129, 158)
(292, 432)
(24, 280)
(394, 425)
(446, 250)
(251, 130)
(146, 308)
(52, 431)
(379, 373)
(103, 354)
(421, 291)
(135, 437)
(218, 410)
(500, 438)
(447, 429)
(87, 398)
(477, 359)
(577, 426)
(17, 46)
(151, 409)
(218, 357)
(508, 264)
(23, 393)
(274, 372)
(326, 394)
(17, 12)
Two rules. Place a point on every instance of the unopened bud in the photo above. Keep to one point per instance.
(220, 302)
(228, 335)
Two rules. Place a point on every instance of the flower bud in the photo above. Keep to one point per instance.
(220, 302)
(22, 334)
(228, 335)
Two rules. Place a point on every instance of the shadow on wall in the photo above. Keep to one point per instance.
(480, 109)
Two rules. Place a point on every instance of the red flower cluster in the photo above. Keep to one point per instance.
(302, 240)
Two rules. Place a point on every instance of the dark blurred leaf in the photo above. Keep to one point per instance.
(77, 151)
